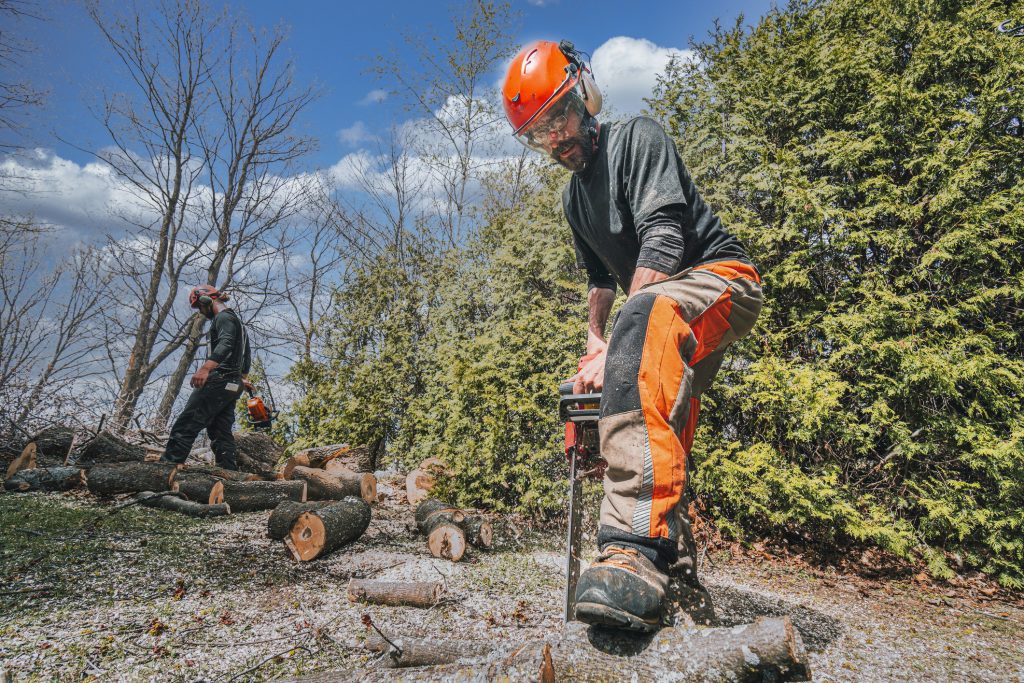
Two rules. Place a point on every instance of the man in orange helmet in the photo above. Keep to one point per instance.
(639, 223)
(217, 384)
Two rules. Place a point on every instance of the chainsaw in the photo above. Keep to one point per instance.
(583, 452)
(261, 418)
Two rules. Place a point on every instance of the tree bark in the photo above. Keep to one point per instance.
(54, 444)
(283, 518)
(248, 496)
(257, 453)
(325, 486)
(185, 507)
(25, 461)
(108, 448)
(767, 650)
(426, 651)
(219, 473)
(45, 479)
(130, 477)
(322, 531)
(395, 593)
(200, 488)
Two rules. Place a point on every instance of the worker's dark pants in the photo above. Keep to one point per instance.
(211, 408)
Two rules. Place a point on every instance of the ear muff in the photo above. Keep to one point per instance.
(592, 98)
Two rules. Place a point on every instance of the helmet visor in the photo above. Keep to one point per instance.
(561, 120)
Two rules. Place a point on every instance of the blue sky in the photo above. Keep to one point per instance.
(332, 43)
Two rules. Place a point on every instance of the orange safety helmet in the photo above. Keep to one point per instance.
(542, 75)
(202, 291)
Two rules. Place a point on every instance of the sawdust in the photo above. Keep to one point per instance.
(148, 595)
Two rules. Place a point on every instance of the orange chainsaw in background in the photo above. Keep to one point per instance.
(261, 418)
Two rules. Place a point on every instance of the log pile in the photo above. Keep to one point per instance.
(329, 474)
(449, 529)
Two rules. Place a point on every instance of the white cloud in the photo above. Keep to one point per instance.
(356, 134)
(542, 3)
(626, 70)
(374, 97)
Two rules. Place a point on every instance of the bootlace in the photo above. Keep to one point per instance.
(609, 558)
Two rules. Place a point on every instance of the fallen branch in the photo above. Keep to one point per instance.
(185, 507)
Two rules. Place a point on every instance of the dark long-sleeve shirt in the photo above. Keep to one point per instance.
(229, 344)
(635, 206)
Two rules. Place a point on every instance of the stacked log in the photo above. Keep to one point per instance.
(319, 532)
(284, 516)
(200, 488)
(45, 479)
(448, 529)
(130, 477)
(169, 500)
(107, 448)
(317, 458)
(336, 485)
(257, 453)
(249, 496)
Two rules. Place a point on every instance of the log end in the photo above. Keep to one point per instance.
(217, 493)
(485, 537)
(368, 488)
(447, 541)
(308, 537)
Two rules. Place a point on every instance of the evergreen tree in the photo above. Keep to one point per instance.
(870, 154)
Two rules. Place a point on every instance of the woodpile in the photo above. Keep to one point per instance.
(449, 529)
(318, 532)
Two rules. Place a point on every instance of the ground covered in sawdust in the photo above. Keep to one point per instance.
(87, 593)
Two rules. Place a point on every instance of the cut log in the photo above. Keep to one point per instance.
(220, 473)
(767, 650)
(426, 651)
(396, 593)
(54, 445)
(130, 477)
(322, 531)
(325, 486)
(248, 496)
(478, 530)
(25, 461)
(200, 488)
(171, 501)
(432, 513)
(282, 519)
(45, 479)
(446, 541)
(107, 448)
(418, 485)
(257, 453)
(356, 458)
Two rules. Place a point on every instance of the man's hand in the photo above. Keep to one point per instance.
(199, 379)
(248, 385)
(590, 378)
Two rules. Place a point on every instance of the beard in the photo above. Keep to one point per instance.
(576, 152)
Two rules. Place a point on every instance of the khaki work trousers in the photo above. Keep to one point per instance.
(666, 347)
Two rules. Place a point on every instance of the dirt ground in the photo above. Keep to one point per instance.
(140, 594)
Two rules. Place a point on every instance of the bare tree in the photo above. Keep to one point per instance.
(17, 96)
(48, 324)
(168, 60)
(448, 83)
(247, 146)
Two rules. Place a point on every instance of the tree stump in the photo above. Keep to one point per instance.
(282, 519)
(130, 477)
(435, 520)
(326, 486)
(172, 502)
(248, 496)
(200, 488)
(45, 479)
(322, 531)
(395, 593)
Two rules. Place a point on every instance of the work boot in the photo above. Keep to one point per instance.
(621, 589)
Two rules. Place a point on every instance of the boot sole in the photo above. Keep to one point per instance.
(602, 615)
